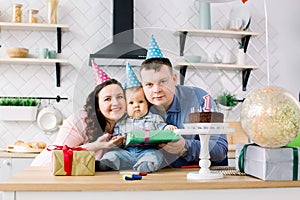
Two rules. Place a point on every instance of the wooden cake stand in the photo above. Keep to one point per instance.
(204, 130)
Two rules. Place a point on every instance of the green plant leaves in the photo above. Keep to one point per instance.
(18, 101)
(227, 99)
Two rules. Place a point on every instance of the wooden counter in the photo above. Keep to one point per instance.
(37, 182)
(4, 154)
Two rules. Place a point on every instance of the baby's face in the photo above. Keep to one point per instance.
(137, 105)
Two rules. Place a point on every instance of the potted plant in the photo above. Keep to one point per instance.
(226, 101)
(18, 109)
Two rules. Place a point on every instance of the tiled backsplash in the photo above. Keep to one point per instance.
(90, 24)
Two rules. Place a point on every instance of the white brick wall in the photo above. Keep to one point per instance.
(90, 24)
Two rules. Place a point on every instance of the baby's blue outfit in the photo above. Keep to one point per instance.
(139, 158)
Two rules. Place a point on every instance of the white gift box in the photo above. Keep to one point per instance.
(270, 163)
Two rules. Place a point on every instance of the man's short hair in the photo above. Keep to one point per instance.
(156, 64)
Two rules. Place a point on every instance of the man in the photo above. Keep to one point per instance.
(175, 102)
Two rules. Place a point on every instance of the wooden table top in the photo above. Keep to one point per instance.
(4, 154)
(41, 179)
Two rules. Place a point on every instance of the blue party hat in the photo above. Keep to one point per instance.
(153, 49)
(131, 79)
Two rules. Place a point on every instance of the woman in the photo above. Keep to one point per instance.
(93, 125)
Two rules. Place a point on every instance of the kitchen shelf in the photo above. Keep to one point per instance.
(243, 35)
(246, 69)
(35, 61)
(215, 65)
(58, 28)
(217, 33)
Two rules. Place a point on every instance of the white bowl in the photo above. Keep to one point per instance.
(49, 119)
(192, 59)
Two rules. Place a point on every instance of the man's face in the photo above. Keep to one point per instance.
(159, 86)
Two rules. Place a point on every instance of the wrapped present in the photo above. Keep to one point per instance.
(151, 137)
(295, 142)
(73, 161)
(268, 163)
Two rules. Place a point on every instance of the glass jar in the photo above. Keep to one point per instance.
(16, 13)
(33, 16)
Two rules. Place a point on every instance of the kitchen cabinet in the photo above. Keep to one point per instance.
(243, 35)
(11, 165)
(58, 28)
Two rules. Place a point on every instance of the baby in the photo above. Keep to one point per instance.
(139, 158)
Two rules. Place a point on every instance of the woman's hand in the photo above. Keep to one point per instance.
(104, 142)
(107, 143)
(117, 141)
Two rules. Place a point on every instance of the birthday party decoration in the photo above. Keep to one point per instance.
(153, 49)
(99, 75)
(270, 116)
(131, 79)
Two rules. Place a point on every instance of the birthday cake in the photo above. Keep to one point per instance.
(206, 117)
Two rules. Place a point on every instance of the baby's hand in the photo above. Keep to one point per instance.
(170, 127)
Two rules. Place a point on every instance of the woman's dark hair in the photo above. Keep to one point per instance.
(95, 120)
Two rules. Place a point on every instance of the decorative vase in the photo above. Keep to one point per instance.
(203, 11)
(52, 11)
(18, 113)
(240, 57)
(225, 110)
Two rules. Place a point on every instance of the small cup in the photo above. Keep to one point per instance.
(52, 54)
(44, 53)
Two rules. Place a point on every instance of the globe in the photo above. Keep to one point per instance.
(270, 116)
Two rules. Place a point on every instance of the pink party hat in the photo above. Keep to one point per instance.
(153, 49)
(131, 79)
(99, 75)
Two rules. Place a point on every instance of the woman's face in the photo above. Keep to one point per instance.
(112, 102)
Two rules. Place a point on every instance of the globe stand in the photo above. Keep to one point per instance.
(204, 130)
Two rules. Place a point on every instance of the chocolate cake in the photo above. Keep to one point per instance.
(206, 117)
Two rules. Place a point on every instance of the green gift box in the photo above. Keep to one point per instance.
(295, 142)
(73, 163)
(151, 137)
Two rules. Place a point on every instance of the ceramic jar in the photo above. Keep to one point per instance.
(240, 57)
